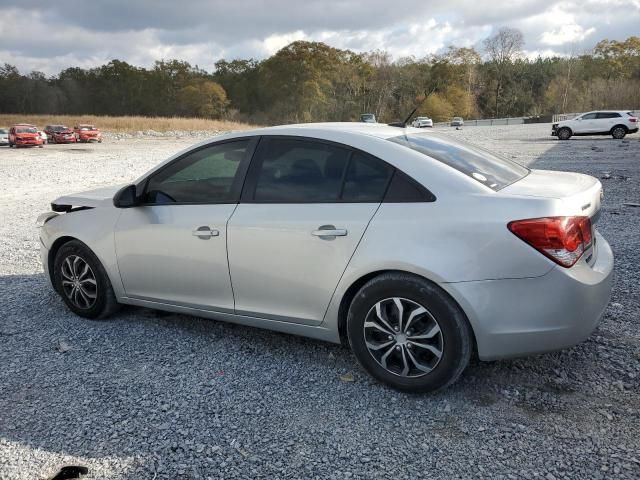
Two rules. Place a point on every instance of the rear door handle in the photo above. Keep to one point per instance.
(329, 232)
(205, 232)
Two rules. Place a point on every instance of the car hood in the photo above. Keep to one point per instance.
(90, 198)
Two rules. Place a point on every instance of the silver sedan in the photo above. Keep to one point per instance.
(412, 248)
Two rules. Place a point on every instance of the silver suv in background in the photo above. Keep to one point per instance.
(457, 122)
(616, 123)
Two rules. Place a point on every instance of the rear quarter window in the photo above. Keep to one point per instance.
(483, 166)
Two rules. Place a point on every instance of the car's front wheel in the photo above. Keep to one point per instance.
(618, 132)
(82, 281)
(564, 134)
(408, 333)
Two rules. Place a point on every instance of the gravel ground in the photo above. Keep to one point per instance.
(154, 395)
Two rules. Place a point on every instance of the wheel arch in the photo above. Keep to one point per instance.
(53, 251)
(352, 290)
(626, 129)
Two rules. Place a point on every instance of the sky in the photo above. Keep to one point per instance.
(50, 36)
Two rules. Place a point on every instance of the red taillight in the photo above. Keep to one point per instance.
(562, 239)
(633, 119)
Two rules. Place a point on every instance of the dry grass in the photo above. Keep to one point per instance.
(125, 124)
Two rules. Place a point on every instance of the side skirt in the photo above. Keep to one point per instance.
(317, 332)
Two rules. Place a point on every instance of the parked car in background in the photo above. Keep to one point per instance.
(368, 118)
(422, 122)
(59, 134)
(4, 136)
(457, 122)
(43, 136)
(617, 123)
(87, 133)
(25, 135)
(413, 248)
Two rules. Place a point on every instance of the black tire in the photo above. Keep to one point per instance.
(564, 133)
(456, 337)
(104, 303)
(618, 132)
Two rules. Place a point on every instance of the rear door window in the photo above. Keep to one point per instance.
(366, 180)
(603, 115)
(483, 166)
(299, 171)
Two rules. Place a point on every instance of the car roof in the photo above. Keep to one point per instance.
(24, 125)
(607, 111)
(379, 130)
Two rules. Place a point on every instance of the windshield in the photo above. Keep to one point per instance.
(3, 130)
(26, 130)
(483, 166)
(59, 128)
(87, 127)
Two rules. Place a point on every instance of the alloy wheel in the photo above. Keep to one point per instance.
(403, 337)
(619, 133)
(79, 282)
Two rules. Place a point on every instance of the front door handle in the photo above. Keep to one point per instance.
(329, 232)
(205, 232)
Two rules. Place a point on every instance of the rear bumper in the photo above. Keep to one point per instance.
(633, 130)
(518, 317)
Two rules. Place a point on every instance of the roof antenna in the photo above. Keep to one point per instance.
(406, 120)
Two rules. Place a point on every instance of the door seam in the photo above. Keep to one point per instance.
(226, 244)
(324, 317)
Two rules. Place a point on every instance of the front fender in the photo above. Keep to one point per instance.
(93, 227)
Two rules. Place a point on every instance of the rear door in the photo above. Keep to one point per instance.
(305, 206)
(606, 121)
(173, 249)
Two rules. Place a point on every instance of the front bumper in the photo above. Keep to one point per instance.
(518, 317)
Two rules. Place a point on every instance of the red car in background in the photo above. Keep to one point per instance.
(87, 133)
(59, 134)
(25, 135)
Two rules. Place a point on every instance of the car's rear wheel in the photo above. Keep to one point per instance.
(618, 132)
(564, 134)
(408, 333)
(82, 281)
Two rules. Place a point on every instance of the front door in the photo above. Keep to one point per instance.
(172, 249)
(305, 208)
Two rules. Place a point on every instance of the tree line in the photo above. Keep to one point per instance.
(311, 81)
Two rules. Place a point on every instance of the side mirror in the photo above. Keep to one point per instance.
(126, 197)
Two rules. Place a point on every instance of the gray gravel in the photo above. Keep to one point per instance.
(153, 395)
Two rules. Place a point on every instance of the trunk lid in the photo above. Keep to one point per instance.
(580, 194)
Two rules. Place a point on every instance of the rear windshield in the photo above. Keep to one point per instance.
(483, 166)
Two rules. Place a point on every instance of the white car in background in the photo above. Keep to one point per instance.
(412, 248)
(616, 123)
(4, 136)
(43, 136)
(422, 122)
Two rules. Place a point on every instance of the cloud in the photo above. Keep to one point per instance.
(53, 36)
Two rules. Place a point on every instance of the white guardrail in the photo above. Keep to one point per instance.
(558, 117)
